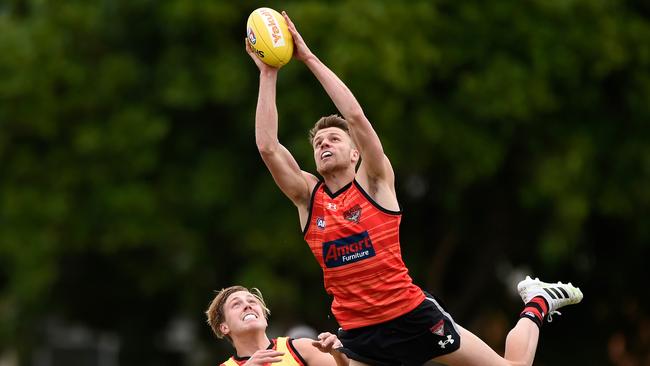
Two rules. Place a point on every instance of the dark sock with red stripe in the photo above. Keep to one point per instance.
(535, 310)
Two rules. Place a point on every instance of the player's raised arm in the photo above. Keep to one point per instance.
(374, 162)
(295, 183)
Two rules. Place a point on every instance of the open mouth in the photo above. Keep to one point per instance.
(249, 317)
(325, 154)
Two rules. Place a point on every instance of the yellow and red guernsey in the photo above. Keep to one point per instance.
(291, 356)
(356, 243)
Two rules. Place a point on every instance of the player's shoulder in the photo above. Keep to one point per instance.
(311, 180)
(304, 346)
(380, 190)
(371, 183)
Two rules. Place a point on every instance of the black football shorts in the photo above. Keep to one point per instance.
(414, 338)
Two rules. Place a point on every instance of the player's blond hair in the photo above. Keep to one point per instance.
(215, 311)
(332, 120)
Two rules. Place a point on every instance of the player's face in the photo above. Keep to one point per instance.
(333, 150)
(243, 313)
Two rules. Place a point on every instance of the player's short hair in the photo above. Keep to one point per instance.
(333, 120)
(216, 314)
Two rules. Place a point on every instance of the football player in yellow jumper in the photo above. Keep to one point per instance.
(240, 315)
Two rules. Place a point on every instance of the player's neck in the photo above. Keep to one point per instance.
(248, 344)
(338, 179)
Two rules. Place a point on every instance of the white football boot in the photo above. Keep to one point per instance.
(557, 295)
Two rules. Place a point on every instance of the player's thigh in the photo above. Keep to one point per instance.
(472, 352)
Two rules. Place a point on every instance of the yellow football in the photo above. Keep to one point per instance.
(269, 37)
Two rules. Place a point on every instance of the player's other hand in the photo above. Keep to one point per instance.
(327, 342)
(260, 64)
(263, 357)
(300, 50)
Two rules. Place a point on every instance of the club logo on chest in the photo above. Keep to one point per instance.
(353, 214)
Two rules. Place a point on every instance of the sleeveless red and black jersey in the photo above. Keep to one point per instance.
(356, 243)
(291, 356)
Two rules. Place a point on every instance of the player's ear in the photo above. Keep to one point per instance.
(223, 327)
(354, 155)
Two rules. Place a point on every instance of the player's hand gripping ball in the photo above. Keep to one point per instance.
(269, 37)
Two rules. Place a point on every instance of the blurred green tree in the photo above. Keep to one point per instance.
(130, 186)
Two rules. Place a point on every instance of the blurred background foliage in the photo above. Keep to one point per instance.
(131, 187)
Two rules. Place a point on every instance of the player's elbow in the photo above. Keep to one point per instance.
(355, 116)
(267, 146)
(267, 149)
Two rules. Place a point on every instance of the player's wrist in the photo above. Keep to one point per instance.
(339, 357)
(269, 72)
(336, 351)
(309, 58)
